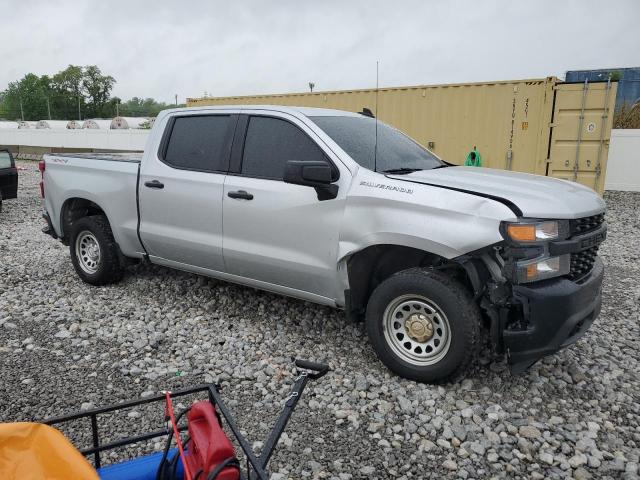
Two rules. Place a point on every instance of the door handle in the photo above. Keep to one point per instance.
(240, 194)
(154, 184)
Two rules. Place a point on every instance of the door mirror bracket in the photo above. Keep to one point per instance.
(312, 174)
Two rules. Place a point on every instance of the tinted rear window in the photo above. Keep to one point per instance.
(199, 143)
(357, 137)
(5, 160)
(270, 143)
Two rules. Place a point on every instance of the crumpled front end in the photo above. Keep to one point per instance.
(530, 319)
(555, 314)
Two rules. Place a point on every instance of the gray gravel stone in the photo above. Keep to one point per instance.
(450, 465)
(546, 457)
(161, 329)
(528, 431)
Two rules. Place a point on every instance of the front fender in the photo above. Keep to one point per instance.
(443, 222)
(347, 248)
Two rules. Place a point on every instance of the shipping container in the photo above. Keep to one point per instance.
(628, 82)
(541, 126)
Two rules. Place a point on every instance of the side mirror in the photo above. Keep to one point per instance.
(312, 174)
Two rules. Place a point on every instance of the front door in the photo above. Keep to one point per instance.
(276, 232)
(8, 176)
(180, 192)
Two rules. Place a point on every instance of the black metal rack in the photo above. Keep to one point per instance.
(256, 464)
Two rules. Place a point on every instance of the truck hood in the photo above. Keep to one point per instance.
(536, 196)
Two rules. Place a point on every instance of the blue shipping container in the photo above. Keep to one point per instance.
(628, 81)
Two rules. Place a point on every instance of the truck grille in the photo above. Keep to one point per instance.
(582, 263)
(585, 224)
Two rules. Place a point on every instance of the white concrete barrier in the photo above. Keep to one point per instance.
(97, 123)
(623, 165)
(82, 138)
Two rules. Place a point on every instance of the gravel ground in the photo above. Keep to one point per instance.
(64, 344)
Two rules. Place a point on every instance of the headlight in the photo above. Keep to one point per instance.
(535, 231)
(527, 249)
(542, 268)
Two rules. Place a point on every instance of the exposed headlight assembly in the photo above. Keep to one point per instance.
(542, 268)
(528, 241)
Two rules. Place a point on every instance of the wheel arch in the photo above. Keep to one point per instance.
(75, 208)
(369, 267)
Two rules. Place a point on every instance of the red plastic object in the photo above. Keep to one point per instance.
(170, 414)
(41, 166)
(209, 445)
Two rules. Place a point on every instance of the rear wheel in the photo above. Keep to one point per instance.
(94, 252)
(424, 326)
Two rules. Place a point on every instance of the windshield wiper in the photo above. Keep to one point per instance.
(403, 170)
(444, 165)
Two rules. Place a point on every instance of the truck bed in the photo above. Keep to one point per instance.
(107, 179)
(133, 157)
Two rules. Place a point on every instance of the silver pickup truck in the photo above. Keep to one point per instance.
(339, 209)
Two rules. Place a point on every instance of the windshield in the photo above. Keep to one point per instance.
(396, 151)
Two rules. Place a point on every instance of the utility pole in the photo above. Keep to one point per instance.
(79, 115)
(117, 109)
(21, 110)
(48, 108)
(176, 99)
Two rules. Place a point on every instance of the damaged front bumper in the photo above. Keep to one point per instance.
(556, 313)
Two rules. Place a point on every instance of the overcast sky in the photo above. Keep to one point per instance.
(160, 48)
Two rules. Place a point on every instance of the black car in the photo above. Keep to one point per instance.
(8, 177)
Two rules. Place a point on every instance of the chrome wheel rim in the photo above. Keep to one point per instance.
(417, 330)
(88, 252)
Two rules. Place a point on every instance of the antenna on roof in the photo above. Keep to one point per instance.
(375, 147)
(367, 112)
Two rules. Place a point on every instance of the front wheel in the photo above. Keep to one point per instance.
(94, 252)
(424, 326)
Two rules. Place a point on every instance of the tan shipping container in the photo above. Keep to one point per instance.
(541, 126)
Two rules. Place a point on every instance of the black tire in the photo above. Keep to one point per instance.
(108, 268)
(443, 294)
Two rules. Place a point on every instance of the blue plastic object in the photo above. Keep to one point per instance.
(143, 468)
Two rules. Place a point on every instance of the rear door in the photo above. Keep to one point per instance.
(180, 191)
(8, 175)
(581, 130)
(276, 232)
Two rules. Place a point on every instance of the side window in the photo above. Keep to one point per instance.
(199, 143)
(5, 160)
(271, 142)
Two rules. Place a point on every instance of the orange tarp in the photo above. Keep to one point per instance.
(30, 451)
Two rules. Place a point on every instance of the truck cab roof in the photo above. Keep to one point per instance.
(306, 111)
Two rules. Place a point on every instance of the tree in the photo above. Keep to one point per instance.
(97, 90)
(28, 96)
(627, 116)
(71, 93)
(67, 93)
(142, 107)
